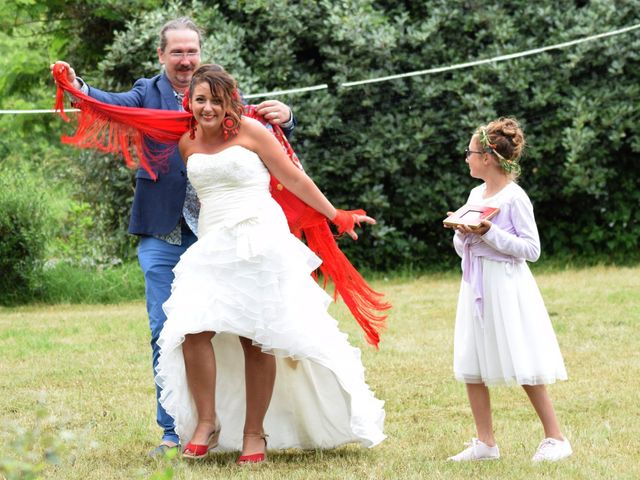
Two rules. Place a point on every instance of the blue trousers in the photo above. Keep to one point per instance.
(157, 259)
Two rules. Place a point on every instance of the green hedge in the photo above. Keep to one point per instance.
(396, 147)
(23, 220)
(71, 283)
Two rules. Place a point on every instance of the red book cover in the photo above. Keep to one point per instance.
(470, 215)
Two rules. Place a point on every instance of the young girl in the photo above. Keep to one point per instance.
(503, 334)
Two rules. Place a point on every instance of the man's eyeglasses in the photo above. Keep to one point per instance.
(467, 152)
(181, 55)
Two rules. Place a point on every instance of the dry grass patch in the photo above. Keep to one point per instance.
(93, 365)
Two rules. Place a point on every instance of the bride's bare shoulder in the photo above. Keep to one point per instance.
(254, 130)
(185, 146)
(250, 124)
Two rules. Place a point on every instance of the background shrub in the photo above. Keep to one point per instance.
(23, 222)
(396, 147)
(393, 147)
(72, 283)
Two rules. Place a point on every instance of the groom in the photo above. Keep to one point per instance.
(164, 213)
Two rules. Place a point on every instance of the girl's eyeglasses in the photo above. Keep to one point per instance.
(467, 152)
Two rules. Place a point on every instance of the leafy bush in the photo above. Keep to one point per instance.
(65, 282)
(23, 222)
(28, 452)
(395, 147)
(92, 229)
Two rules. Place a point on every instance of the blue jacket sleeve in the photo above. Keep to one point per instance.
(288, 132)
(132, 98)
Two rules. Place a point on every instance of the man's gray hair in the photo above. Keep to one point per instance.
(182, 23)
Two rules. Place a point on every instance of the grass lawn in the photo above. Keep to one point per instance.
(89, 365)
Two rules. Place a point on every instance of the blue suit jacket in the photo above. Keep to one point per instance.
(157, 205)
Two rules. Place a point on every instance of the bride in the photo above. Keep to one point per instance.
(248, 347)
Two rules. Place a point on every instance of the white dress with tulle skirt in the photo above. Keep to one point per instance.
(248, 276)
(506, 337)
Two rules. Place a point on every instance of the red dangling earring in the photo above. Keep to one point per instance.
(229, 126)
(185, 101)
(192, 128)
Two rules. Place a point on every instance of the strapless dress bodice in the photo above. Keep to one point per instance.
(232, 186)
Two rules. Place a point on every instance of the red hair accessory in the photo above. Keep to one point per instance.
(185, 101)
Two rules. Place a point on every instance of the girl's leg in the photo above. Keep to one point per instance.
(544, 408)
(260, 377)
(200, 363)
(480, 402)
(484, 447)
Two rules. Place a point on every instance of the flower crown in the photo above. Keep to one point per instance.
(508, 165)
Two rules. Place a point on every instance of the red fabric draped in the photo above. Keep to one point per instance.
(123, 130)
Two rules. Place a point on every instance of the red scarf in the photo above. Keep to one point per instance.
(123, 130)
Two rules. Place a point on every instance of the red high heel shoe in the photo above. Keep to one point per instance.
(195, 452)
(254, 458)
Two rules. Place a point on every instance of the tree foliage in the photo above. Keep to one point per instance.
(23, 228)
(395, 147)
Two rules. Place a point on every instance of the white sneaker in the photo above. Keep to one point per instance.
(477, 450)
(552, 450)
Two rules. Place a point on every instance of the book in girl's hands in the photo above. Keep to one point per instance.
(470, 215)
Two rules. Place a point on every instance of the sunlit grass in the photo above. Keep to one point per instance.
(92, 362)
(65, 283)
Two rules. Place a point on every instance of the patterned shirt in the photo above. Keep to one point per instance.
(190, 209)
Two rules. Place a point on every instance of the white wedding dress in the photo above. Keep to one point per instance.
(247, 275)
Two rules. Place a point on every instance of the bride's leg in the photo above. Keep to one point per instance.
(260, 376)
(200, 363)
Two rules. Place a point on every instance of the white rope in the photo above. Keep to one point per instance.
(499, 58)
(38, 111)
(285, 92)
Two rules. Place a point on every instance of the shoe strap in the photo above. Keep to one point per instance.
(250, 459)
(262, 435)
(195, 450)
(256, 435)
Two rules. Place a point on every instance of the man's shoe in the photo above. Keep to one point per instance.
(476, 450)
(162, 450)
(552, 450)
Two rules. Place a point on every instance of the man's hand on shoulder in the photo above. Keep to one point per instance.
(274, 111)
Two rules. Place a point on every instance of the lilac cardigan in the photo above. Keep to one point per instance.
(512, 238)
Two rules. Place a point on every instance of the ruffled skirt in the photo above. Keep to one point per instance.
(514, 341)
(252, 279)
